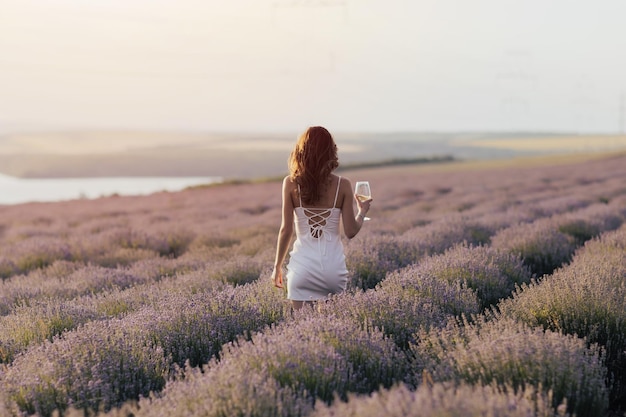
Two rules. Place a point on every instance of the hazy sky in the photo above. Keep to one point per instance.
(281, 65)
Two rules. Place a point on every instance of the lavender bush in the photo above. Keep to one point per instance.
(407, 302)
(445, 400)
(540, 244)
(586, 299)
(157, 268)
(590, 222)
(238, 270)
(7, 268)
(369, 259)
(63, 282)
(441, 235)
(219, 391)
(193, 329)
(31, 254)
(396, 313)
(43, 320)
(553, 205)
(284, 371)
(100, 366)
(178, 330)
(493, 274)
(511, 354)
(169, 244)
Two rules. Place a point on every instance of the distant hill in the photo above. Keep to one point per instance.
(248, 155)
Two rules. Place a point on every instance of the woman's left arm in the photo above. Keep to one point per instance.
(352, 224)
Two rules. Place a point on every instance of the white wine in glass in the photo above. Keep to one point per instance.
(363, 192)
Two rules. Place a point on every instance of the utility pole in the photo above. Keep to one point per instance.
(622, 113)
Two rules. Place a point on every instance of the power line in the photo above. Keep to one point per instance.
(45, 69)
(310, 3)
(295, 4)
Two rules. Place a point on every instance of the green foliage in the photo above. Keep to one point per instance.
(579, 230)
(7, 269)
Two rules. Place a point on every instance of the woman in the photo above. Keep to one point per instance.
(318, 199)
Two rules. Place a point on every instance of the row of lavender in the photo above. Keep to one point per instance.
(95, 292)
(209, 224)
(141, 308)
(317, 363)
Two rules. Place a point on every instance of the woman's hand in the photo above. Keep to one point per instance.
(363, 206)
(277, 277)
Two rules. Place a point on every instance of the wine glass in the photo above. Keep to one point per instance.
(363, 192)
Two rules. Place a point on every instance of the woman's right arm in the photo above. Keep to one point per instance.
(352, 224)
(284, 234)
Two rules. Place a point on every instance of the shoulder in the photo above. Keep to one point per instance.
(345, 187)
(289, 182)
(289, 185)
(344, 183)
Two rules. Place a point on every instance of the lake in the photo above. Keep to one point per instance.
(21, 190)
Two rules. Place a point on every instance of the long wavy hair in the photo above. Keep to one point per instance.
(312, 161)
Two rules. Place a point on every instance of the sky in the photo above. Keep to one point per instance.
(282, 65)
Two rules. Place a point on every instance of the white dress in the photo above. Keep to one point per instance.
(317, 264)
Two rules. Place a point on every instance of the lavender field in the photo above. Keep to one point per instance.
(476, 290)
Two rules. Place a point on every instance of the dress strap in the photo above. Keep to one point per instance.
(299, 195)
(336, 192)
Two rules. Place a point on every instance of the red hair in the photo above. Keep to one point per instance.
(312, 161)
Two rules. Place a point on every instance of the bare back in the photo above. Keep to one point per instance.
(328, 197)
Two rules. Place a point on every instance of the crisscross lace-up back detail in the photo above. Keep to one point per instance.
(318, 217)
(317, 221)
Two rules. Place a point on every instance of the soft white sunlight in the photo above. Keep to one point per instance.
(279, 65)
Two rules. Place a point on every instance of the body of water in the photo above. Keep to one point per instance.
(23, 190)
